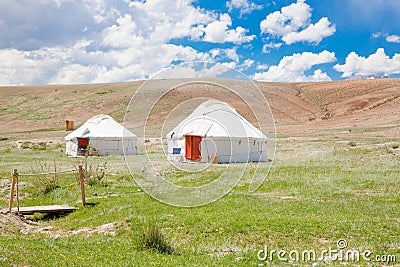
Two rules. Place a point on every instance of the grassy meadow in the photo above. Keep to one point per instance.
(317, 192)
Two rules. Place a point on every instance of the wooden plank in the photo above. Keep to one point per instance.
(44, 209)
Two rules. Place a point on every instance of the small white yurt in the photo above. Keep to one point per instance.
(216, 132)
(103, 136)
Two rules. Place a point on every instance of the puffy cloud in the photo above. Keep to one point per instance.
(247, 63)
(244, 6)
(228, 53)
(292, 68)
(166, 20)
(292, 24)
(378, 63)
(122, 35)
(29, 25)
(218, 32)
(63, 41)
(262, 66)
(289, 19)
(199, 70)
(163, 20)
(393, 38)
(314, 33)
(389, 38)
(267, 47)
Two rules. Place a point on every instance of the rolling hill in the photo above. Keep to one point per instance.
(297, 107)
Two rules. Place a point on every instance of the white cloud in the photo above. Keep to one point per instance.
(289, 19)
(393, 38)
(267, 47)
(228, 53)
(28, 25)
(163, 20)
(122, 35)
(244, 6)
(314, 33)
(247, 63)
(377, 35)
(262, 66)
(105, 41)
(218, 32)
(292, 68)
(198, 70)
(389, 38)
(378, 63)
(292, 24)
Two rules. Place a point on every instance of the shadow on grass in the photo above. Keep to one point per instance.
(45, 216)
(91, 204)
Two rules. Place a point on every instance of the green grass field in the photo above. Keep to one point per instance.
(309, 201)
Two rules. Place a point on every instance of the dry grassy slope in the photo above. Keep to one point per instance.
(26, 108)
(297, 107)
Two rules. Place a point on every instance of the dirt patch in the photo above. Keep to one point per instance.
(105, 229)
(37, 143)
(5, 185)
(11, 224)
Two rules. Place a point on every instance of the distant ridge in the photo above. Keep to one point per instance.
(297, 107)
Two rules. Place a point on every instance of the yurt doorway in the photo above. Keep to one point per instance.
(193, 147)
(82, 145)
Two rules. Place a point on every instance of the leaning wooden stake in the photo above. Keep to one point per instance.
(17, 193)
(82, 183)
(13, 182)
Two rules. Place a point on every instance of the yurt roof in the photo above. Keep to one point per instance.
(216, 119)
(101, 126)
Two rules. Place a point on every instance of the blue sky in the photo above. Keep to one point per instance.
(74, 41)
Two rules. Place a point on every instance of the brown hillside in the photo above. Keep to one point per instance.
(297, 107)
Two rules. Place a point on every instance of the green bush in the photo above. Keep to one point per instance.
(95, 172)
(26, 145)
(39, 147)
(352, 144)
(47, 182)
(150, 236)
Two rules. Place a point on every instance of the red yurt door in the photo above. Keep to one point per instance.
(82, 145)
(193, 147)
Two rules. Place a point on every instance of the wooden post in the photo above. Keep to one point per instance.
(13, 181)
(82, 184)
(17, 193)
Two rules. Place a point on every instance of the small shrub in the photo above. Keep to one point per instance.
(95, 172)
(4, 138)
(59, 146)
(39, 147)
(150, 236)
(352, 144)
(48, 182)
(26, 145)
(105, 92)
(395, 146)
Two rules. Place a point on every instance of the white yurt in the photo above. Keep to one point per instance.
(216, 132)
(103, 136)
